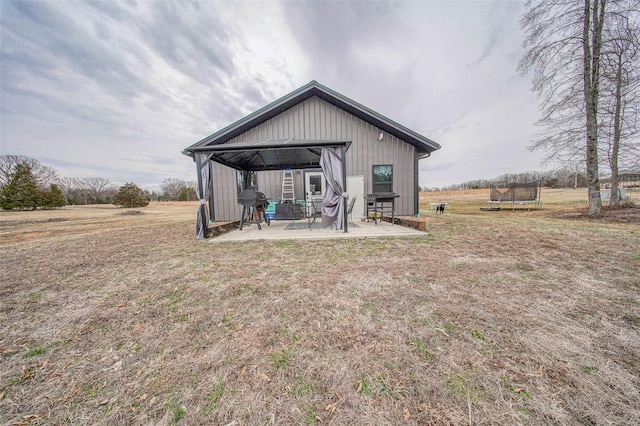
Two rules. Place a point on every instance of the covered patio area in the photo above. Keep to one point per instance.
(278, 231)
(252, 157)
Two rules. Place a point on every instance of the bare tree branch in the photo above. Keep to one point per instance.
(44, 175)
(569, 53)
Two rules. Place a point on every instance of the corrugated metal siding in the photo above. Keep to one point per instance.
(225, 193)
(270, 183)
(298, 184)
(318, 119)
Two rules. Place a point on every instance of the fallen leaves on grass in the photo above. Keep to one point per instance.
(330, 317)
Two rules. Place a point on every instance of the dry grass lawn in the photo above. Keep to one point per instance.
(491, 318)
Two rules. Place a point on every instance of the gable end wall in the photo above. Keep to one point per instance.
(319, 120)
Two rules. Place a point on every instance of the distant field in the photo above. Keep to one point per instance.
(525, 317)
(548, 195)
(554, 203)
(87, 220)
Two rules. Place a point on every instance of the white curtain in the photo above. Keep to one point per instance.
(334, 201)
(204, 182)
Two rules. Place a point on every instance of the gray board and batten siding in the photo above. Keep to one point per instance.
(316, 113)
(316, 119)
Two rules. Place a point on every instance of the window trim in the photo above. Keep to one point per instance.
(388, 184)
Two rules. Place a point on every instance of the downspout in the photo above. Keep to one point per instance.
(416, 189)
(416, 186)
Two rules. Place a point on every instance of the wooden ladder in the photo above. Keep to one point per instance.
(287, 186)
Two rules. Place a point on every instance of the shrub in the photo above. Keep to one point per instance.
(130, 195)
(52, 198)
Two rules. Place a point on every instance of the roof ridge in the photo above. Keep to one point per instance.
(314, 88)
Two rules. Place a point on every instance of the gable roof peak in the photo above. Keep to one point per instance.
(313, 88)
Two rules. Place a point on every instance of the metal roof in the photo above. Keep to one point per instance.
(269, 154)
(423, 145)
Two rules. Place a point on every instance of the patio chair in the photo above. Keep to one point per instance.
(313, 212)
(350, 209)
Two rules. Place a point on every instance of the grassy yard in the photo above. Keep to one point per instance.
(491, 318)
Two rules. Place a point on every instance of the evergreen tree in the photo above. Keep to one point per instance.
(130, 195)
(53, 197)
(21, 192)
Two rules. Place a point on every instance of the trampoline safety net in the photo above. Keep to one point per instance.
(516, 192)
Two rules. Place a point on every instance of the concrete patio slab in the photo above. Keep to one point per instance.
(277, 231)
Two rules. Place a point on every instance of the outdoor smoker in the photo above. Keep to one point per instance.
(254, 204)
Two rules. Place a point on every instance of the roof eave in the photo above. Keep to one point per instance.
(255, 118)
(272, 144)
(309, 90)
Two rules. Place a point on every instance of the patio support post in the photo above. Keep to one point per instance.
(212, 213)
(202, 221)
(343, 155)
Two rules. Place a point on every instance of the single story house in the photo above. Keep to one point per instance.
(625, 180)
(286, 139)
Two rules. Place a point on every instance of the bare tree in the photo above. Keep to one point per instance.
(621, 87)
(43, 175)
(75, 190)
(178, 190)
(66, 184)
(552, 40)
(592, 46)
(170, 188)
(99, 188)
(563, 44)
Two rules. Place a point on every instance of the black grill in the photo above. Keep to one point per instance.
(254, 204)
(383, 196)
(251, 198)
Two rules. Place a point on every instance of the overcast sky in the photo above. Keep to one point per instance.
(118, 89)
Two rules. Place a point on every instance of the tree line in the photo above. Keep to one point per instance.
(563, 177)
(27, 184)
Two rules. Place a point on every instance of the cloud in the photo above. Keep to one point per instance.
(188, 38)
(444, 69)
(121, 88)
